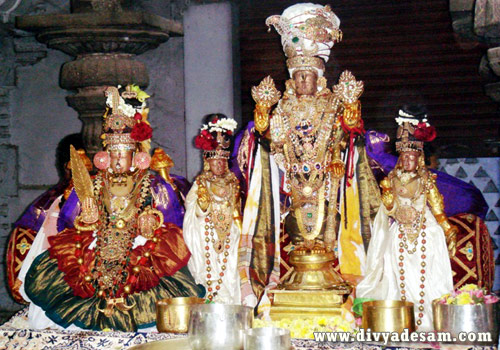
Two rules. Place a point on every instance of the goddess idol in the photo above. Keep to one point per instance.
(409, 254)
(212, 224)
(116, 246)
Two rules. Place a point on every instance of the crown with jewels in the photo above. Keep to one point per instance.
(414, 129)
(125, 121)
(214, 137)
(308, 32)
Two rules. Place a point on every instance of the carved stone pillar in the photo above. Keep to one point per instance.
(479, 21)
(103, 38)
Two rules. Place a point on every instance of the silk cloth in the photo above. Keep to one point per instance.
(194, 236)
(54, 281)
(382, 279)
(24, 232)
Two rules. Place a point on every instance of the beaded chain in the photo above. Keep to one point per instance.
(403, 245)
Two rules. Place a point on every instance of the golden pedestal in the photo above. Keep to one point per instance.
(313, 289)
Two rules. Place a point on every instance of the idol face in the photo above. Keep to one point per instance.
(409, 160)
(218, 166)
(306, 82)
(121, 160)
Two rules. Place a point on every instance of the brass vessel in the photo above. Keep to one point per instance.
(314, 288)
(172, 315)
(314, 271)
(388, 316)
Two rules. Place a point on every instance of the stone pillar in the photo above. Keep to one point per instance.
(478, 21)
(209, 61)
(103, 38)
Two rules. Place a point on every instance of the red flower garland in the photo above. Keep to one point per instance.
(205, 141)
(425, 133)
(141, 131)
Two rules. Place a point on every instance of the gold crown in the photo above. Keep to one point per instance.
(216, 154)
(408, 146)
(305, 62)
(119, 142)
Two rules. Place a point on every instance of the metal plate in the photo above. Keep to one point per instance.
(170, 344)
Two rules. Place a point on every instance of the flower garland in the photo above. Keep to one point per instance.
(470, 294)
(305, 328)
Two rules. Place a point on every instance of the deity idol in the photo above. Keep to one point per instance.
(314, 133)
(117, 246)
(212, 224)
(408, 257)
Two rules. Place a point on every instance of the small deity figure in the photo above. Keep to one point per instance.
(212, 223)
(313, 133)
(408, 257)
(117, 246)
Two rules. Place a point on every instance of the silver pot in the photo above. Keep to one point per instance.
(218, 326)
(479, 321)
(268, 338)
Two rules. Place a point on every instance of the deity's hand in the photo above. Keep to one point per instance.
(203, 198)
(261, 118)
(90, 213)
(352, 115)
(451, 240)
(388, 199)
(147, 224)
(337, 168)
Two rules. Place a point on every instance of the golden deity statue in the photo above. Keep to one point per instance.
(312, 131)
(411, 232)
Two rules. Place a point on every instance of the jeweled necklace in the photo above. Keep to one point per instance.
(403, 246)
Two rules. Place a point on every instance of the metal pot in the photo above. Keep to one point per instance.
(172, 315)
(388, 316)
(218, 326)
(480, 321)
(268, 338)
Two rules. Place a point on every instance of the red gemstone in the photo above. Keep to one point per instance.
(423, 256)
(403, 291)
(422, 271)
(210, 289)
(420, 315)
(402, 278)
(207, 220)
(221, 274)
(208, 262)
(401, 250)
(401, 264)
(400, 235)
(224, 260)
(209, 276)
(424, 241)
(227, 246)
(78, 253)
(421, 301)
(217, 287)
(206, 247)
(422, 286)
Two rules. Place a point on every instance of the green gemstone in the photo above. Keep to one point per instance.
(295, 39)
(309, 215)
